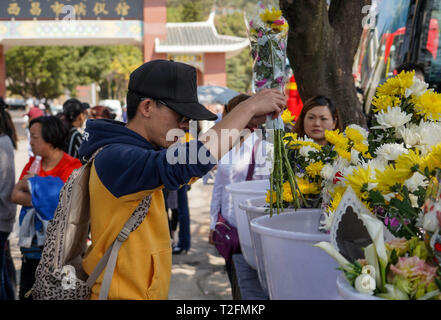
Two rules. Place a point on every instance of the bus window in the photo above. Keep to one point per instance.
(432, 56)
(380, 48)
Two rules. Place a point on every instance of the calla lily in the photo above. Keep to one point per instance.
(371, 257)
(375, 230)
(329, 249)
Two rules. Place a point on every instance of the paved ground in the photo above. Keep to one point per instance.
(197, 275)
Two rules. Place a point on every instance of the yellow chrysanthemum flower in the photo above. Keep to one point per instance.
(289, 138)
(361, 147)
(287, 116)
(397, 85)
(267, 199)
(433, 159)
(334, 202)
(312, 144)
(354, 135)
(428, 105)
(384, 101)
(359, 178)
(298, 143)
(338, 189)
(287, 192)
(271, 16)
(314, 169)
(405, 164)
(367, 155)
(343, 152)
(336, 138)
(387, 179)
(307, 187)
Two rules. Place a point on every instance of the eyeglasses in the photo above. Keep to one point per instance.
(183, 119)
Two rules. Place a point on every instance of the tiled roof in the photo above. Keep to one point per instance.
(198, 37)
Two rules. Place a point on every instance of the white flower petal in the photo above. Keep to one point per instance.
(329, 249)
(393, 118)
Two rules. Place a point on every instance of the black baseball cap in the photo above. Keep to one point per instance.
(171, 82)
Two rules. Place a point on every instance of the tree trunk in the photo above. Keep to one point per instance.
(322, 43)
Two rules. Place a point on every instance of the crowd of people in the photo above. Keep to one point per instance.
(53, 142)
(132, 165)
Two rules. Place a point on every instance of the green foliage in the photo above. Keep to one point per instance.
(47, 71)
(37, 71)
(114, 79)
(352, 271)
(188, 10)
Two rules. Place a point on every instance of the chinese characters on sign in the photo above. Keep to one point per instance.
(82, 9)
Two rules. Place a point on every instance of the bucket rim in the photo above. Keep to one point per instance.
(256, 226)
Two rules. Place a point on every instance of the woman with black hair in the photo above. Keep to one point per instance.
(8, 142)
(48, 137)
(318, 115)
(74, 115)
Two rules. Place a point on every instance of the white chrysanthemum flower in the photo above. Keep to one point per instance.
(419, 220)
(300, 175)
(393, 118)
(413, 200)
(326, 223)
(389, 196)
(327, 171)
(417, 88)
(304, 151)
(391, 151)
(430, 221)
(415, 181)
(430, 135)
(410, 134)
(348, 170)
(378, 163)
(354, 157)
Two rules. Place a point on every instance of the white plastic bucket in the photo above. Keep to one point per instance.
(254, 208)
(348, 292)
(241, 191)
(294, 268)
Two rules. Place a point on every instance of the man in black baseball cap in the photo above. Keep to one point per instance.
(170, 83)
(134, 164)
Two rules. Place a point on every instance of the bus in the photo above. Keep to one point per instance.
(404, 31)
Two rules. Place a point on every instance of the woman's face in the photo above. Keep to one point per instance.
(38, 145)
(317, 120)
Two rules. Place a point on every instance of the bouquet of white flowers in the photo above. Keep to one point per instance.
(268, 34)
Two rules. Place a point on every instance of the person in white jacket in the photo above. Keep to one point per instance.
(234, 167)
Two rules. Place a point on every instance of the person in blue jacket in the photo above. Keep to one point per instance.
(140, 158)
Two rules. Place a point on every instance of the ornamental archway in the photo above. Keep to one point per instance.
(141, 23)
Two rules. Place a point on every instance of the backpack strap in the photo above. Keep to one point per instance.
(108, 261)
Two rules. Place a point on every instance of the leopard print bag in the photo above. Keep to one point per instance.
(59, 275)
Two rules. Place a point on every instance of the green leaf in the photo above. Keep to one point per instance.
(393, 257)
(438, 283)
